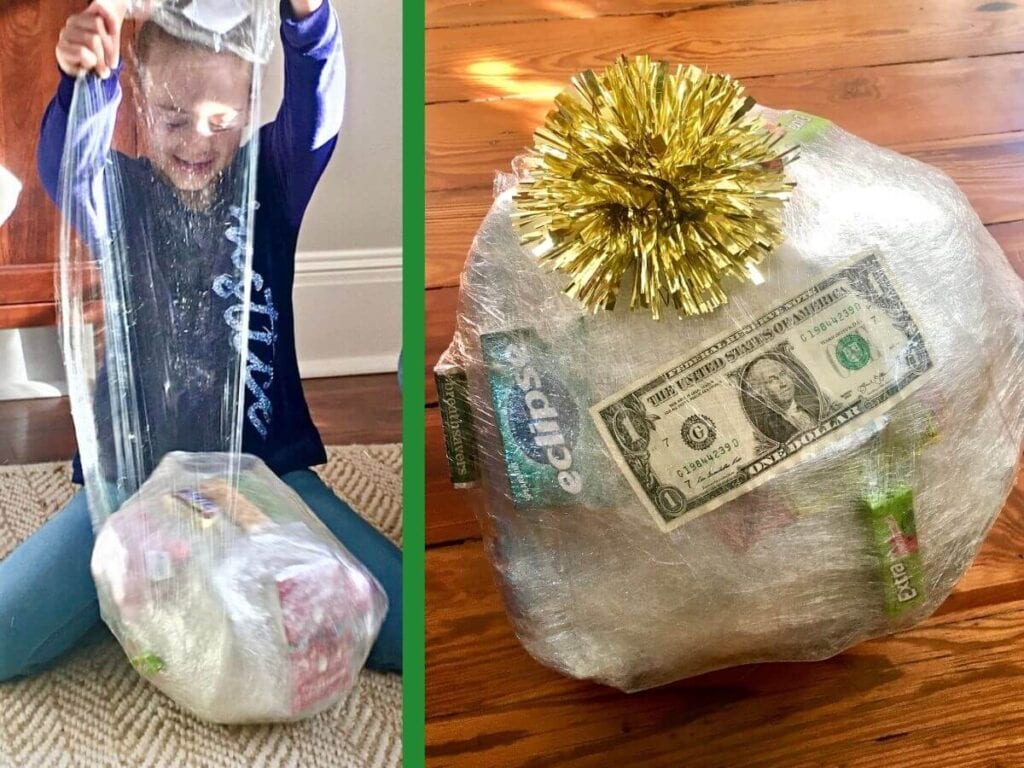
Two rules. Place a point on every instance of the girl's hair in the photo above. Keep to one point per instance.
(149, 35)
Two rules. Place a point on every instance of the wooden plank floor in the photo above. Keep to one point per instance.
(346, 410)
(941, 81)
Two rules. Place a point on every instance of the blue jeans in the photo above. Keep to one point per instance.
(48, 599)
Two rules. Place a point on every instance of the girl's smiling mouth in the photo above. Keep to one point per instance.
(192, 166)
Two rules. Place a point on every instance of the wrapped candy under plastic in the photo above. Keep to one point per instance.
(242, 608)
(863, 533)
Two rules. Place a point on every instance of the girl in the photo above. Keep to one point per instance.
(195, 112)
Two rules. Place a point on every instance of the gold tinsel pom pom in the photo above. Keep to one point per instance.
(656, 173)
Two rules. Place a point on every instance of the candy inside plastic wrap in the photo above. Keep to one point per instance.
(241, 606)
(814, 463)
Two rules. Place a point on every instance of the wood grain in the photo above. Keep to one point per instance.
(28, 283)
(28, 81)
(27, 315)
(895, 105)
(943, 695)
(28, 78)
(452, 218)
(28, 297)
(439, 326)
(745, 41)
(467, 13)
(1010, 237)
(899, 688)
(356, 409)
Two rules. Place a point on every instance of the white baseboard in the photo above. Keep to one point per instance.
(348, 311)
(348, 320)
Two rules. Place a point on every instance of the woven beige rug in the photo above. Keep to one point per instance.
(94, 711)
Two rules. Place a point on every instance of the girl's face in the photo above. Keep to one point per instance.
(196, 112)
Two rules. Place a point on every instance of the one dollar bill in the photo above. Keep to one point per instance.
(717, 423)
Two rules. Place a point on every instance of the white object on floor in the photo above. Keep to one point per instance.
(10, 188)
(30, 364)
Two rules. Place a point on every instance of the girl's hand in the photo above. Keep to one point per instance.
(303, 8)
(91, 41)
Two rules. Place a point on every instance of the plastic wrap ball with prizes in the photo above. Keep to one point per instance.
(238, 604)
(732, 385)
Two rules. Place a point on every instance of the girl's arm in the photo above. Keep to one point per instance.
(89, 43)
(94, 130)
(300, 140)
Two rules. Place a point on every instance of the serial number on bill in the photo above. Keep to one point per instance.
(831, 322)
(703, 461)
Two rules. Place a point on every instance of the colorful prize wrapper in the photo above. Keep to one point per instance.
(787, 366)
(240, 605)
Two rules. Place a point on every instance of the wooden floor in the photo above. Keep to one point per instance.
(353, 409)
(942, 81)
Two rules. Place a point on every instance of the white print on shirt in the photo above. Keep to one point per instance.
(258, 375)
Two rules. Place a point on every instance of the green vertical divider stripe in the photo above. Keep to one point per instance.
(413, 394)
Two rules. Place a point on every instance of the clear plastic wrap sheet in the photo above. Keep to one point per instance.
(157, 192)
(242, 27)
(664, 498)
(221, 585)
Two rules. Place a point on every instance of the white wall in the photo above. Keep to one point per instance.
(348, 271)
(348, 281)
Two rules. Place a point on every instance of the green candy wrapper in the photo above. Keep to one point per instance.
(894, 535)
(545, 431)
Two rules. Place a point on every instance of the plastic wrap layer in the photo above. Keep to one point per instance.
(877, 375)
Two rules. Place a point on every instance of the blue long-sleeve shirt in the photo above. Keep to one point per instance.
(293, 152)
